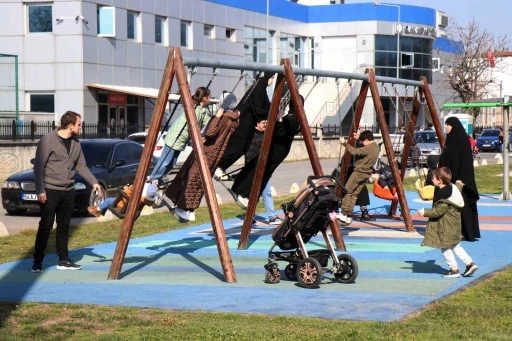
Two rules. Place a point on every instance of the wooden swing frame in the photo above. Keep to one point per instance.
(175, 68)
(398, 175)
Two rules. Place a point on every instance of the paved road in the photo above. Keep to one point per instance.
(284, 177)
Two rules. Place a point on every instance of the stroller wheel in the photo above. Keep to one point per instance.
(291, 272)
(272, 274)
(347, 270)
(309, 273)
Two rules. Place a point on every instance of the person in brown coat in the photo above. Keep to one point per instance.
(186, 190)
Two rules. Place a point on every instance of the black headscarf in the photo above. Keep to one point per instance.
(457, 156)
(257, 101)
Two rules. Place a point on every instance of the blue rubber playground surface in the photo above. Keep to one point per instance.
(181, 270)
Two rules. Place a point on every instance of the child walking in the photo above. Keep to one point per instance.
(444, 223)
(366, 155)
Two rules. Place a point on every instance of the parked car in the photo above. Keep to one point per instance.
(140, 138)
(113, 162)
(489, 140)
(428, 142)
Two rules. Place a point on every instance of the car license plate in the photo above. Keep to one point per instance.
(29, 197)
(486, 145)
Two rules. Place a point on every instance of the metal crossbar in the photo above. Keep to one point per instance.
(248, 66)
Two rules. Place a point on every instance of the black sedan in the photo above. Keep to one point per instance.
(113, 162)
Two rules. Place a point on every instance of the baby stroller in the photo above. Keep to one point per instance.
(308, 214)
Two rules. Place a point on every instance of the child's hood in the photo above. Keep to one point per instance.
(455, 198)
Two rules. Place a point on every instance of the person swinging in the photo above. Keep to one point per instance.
(363, 168)
(253, 109)
(186, 190)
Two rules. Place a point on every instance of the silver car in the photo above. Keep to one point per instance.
(428, 142)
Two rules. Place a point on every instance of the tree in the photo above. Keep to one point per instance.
(469, 68)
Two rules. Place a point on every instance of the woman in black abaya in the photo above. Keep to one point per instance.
(284, 134)
(252, 110)
(457, 156)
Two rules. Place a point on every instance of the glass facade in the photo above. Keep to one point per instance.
(385, 57)
(255, 46)
(291, 46)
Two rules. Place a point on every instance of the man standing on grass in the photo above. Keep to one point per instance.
(58, 154)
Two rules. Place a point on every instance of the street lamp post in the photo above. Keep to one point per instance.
(266, 47)
(397, 100)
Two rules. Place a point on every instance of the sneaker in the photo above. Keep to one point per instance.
(68, 265)
(37, 266)
(191, 215)
(275, 221)
(451, 274)
(470, 269)
(93, 210)
(183, 214)
(220, 175)
(242, 202)
(345, 219)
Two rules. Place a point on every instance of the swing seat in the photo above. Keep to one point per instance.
(383, 193)
(426, 193)
(120, 204)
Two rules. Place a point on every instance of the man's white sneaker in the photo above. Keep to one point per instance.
(191, 215)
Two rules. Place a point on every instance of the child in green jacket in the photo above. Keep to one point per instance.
(444, 223)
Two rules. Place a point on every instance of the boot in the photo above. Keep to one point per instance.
(365, 216)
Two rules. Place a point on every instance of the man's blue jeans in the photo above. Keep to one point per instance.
(165, 163)
(268, 202)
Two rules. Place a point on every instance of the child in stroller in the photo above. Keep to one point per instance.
(311, 212)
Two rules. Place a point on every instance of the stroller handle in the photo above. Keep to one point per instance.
(312, 184)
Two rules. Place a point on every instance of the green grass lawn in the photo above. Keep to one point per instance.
(486, 177)
(482, 312)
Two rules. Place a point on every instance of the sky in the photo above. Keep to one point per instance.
(494, 15)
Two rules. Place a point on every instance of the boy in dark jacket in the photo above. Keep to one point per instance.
(444, 223)
(363, 168)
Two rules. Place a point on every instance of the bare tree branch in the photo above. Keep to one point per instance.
(469, 73)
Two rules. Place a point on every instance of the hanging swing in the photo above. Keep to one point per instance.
(378, 190)
(425, 192)
(384, 193)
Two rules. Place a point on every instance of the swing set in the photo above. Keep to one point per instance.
(175, 69)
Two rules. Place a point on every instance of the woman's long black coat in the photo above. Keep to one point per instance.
(457, 156)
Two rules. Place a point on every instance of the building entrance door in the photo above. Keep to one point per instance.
(117, 120)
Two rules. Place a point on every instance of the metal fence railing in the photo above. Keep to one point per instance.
(344, 130)
(30, 131)
(9, 95)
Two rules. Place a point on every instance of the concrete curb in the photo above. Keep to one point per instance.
(3, 230)
(294, 188)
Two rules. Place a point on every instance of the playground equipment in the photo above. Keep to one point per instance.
(175, 68)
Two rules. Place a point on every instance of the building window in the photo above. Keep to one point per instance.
(40, 18)
(159, 30)
(184, 33)
(415, 57)
(208, 31)
(106, 21)
(42, 102)
(132, 22)
(230, 34)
